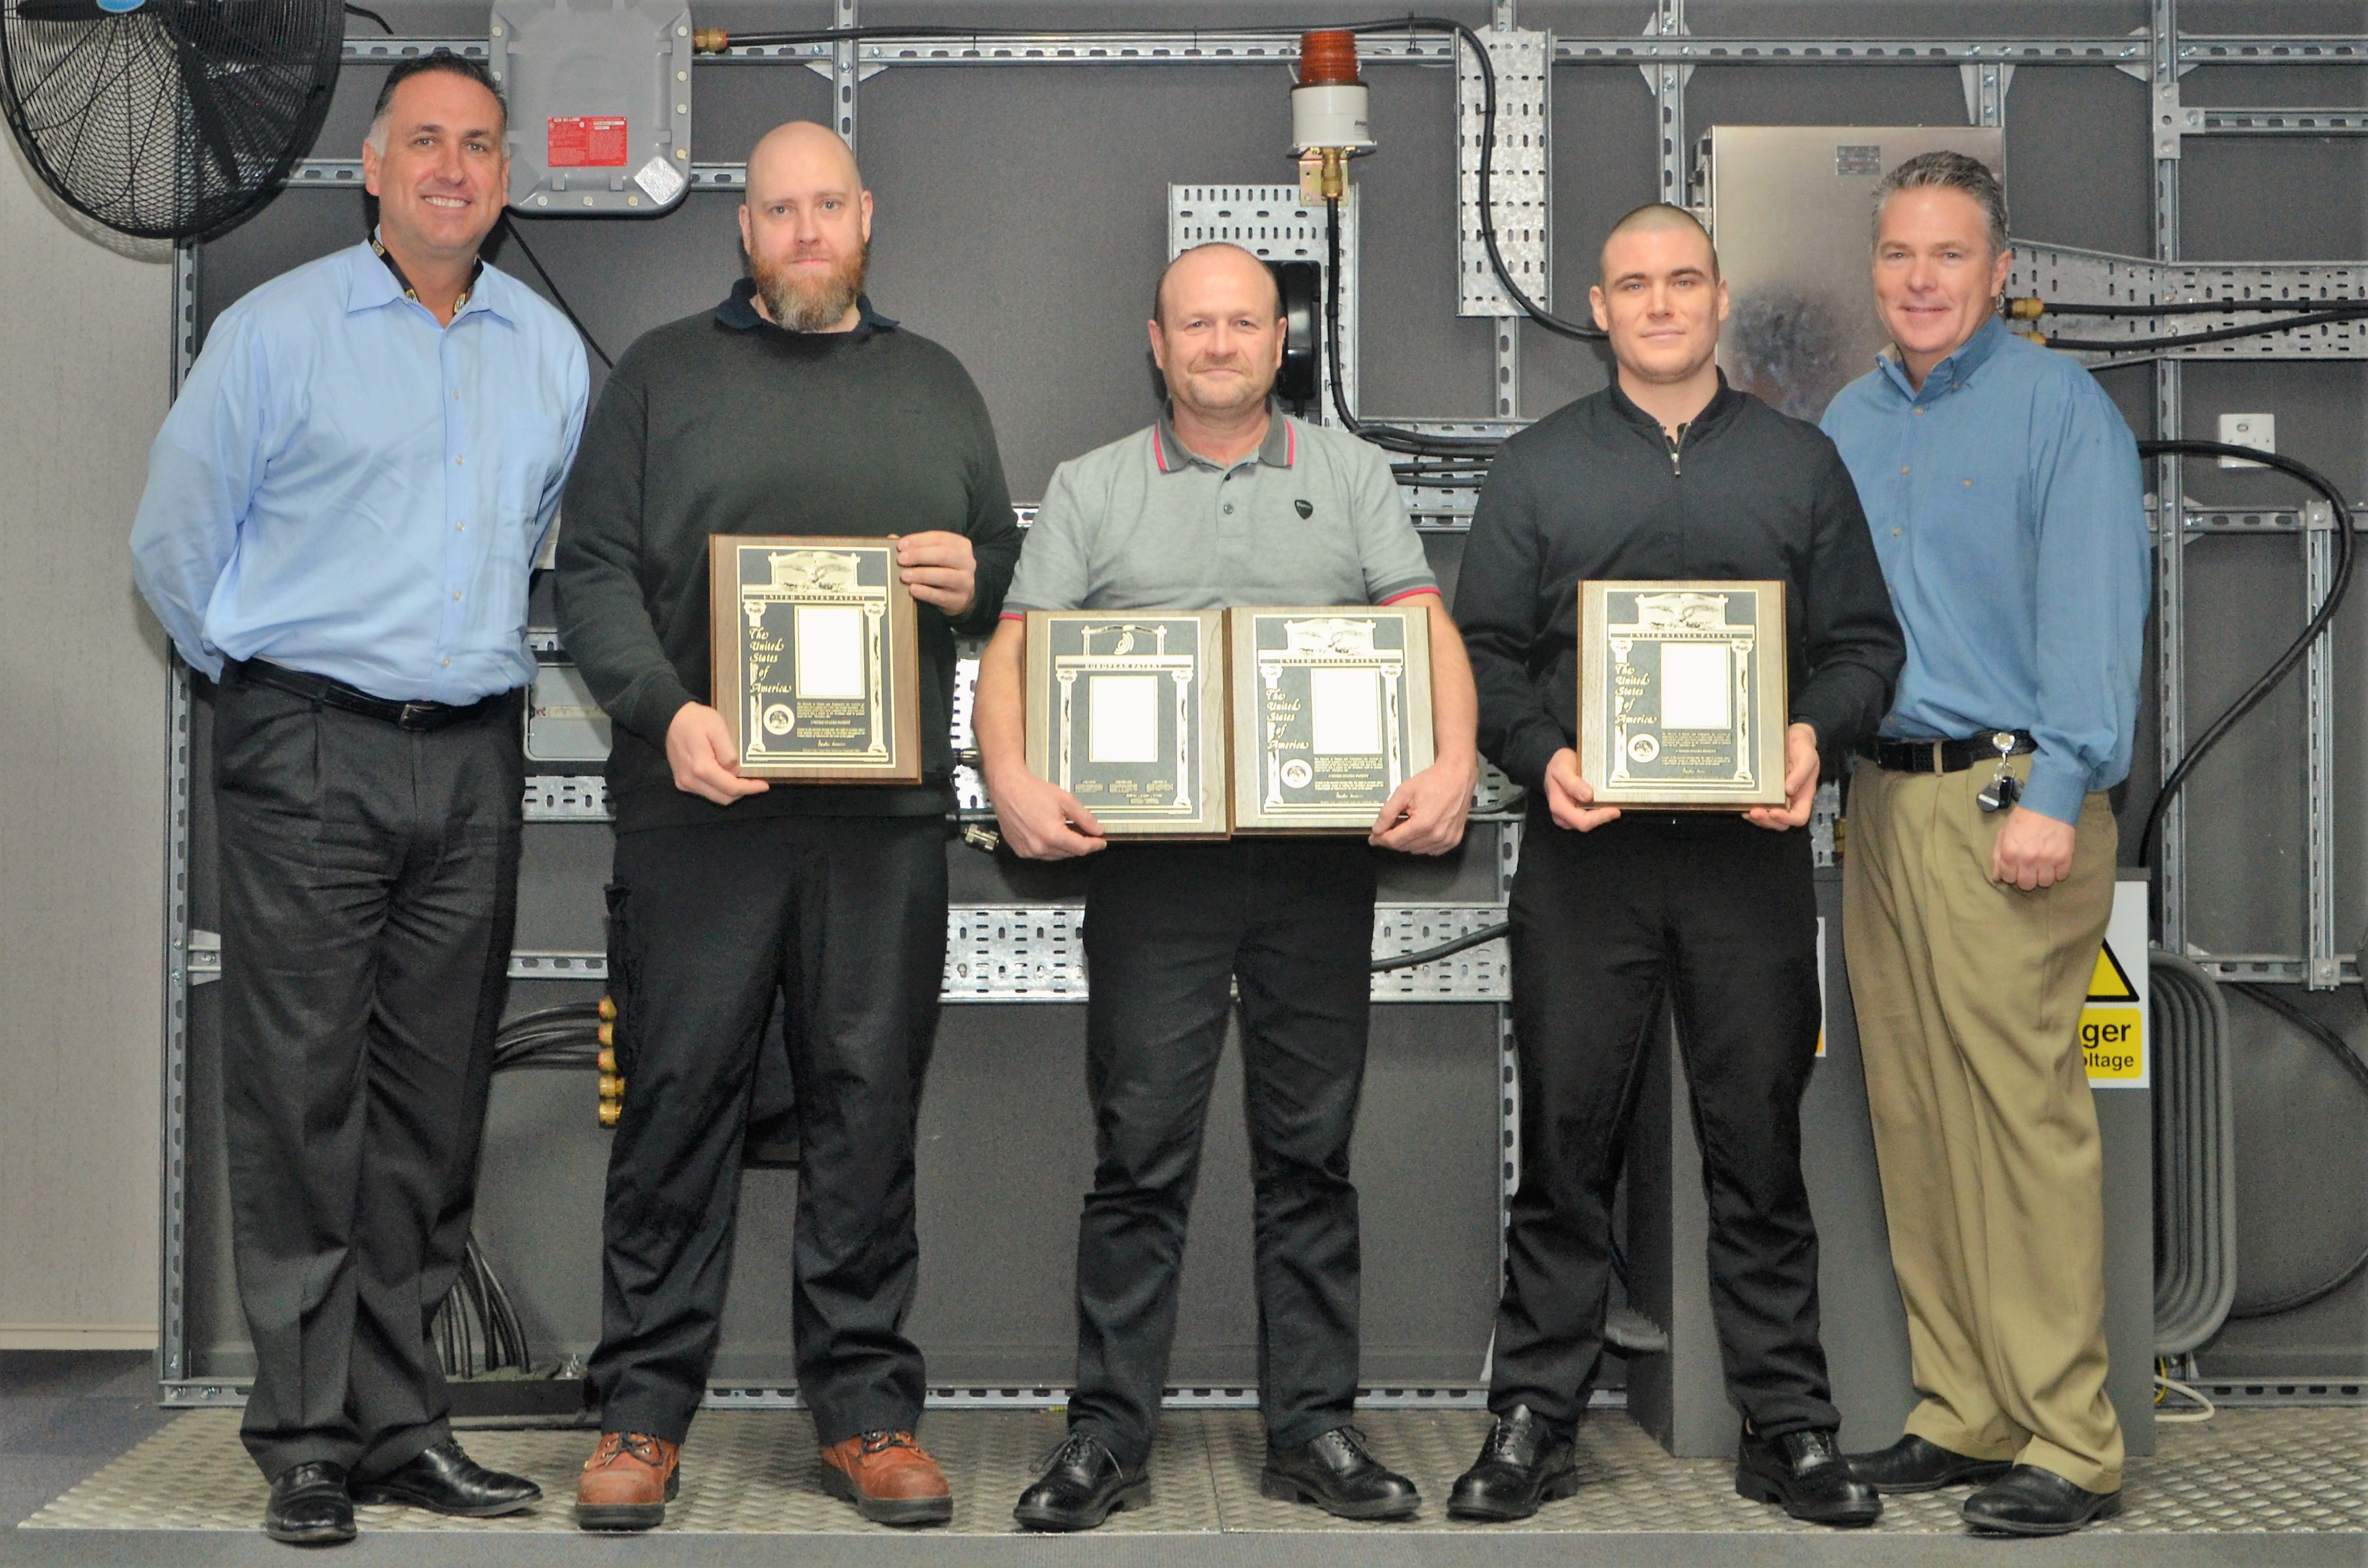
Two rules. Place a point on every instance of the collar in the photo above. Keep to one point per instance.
(1722, 404)
(1949, 373)
(738, 312)
(372, 283)
(1169, 453)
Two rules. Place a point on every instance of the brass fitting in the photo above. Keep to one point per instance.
(711, 40)
(608, 1008)
(607, 1060)
(2030, 308)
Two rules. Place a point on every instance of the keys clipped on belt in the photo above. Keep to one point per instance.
(2004, 788)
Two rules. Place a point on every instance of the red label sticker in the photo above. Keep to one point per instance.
(587, 142)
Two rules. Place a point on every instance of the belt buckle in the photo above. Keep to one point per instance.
(416, 714)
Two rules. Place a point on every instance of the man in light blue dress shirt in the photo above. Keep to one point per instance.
(2004, 492)
(343, 509)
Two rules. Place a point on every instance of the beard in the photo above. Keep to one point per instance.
(808, 304)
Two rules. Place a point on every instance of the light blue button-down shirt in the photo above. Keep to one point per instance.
(2011, 520)
(346, 486)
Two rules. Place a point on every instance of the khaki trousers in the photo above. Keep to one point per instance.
(1968, 997)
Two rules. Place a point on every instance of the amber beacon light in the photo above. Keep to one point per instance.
(1329, 123)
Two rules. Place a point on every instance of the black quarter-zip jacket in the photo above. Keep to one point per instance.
(1597, 490)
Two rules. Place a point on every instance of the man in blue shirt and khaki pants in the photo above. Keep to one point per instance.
(2004, 492)
(342, 511)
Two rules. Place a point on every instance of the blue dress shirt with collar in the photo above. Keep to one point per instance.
(349, 487)
(2009, 516)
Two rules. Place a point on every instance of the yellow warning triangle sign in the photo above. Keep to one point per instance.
(2111, 982)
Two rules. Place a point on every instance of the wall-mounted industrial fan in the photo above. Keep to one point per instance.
(168, 119)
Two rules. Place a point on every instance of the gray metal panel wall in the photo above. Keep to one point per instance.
(1020, 223)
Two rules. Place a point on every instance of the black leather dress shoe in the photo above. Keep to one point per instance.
(1523, 1464)
(1336, 1473)
(1912, 1464)
(2031, 1501)
(1803, 1473)
(310, 1505)
(445, 1480)
(1081, 1485)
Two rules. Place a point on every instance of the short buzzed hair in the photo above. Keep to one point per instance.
(1660, 215)
(442, 59)
(1160, 289)
(1949, 171)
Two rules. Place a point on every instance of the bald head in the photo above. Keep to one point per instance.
(1219, 265)
(805, 224)
(1656, 217)
(803, 154)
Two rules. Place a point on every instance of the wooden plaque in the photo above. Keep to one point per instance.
(1331, 715)
(1681, 694)
(816, 659)
(1126, 710)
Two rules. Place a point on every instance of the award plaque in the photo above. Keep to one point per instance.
(1331, 715)
(817, 662)
(1682, 699)
(1126, 710)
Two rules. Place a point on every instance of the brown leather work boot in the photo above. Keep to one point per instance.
(889, 1478)
(627, 1483)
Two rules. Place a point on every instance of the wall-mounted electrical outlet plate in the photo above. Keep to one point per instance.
(2249, 430)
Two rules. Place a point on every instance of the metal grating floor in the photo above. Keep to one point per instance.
(2293, 1469)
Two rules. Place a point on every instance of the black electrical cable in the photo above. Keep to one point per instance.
(2218, 334)
(556, 297)
(2334, 1044)
(1485, 196)
(2170, 523)
(2194, 308)
(370, 16)
(1444, 949)
(1390, 438)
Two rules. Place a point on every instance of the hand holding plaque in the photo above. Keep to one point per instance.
(816, 659)
(1681, 694)
(1126, 711)
(1331, 715)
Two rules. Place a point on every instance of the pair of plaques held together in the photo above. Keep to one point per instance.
(1198, 724)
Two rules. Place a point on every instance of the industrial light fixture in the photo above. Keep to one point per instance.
(1330, 121)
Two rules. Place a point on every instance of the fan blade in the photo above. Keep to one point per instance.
(60, 11)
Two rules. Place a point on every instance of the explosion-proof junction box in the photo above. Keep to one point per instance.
(599, 100)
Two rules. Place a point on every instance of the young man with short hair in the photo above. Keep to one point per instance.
(1667, 473)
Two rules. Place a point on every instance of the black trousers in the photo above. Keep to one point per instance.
(844, 917)
(1720, 917)
(1168, 929)
(369, 891)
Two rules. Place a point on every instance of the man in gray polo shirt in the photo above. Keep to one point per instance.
(1226, 501)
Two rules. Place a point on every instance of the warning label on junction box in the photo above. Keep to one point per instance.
(586, 142)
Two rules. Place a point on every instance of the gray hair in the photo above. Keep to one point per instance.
(1949, 171)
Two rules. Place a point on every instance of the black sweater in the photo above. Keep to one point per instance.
(1595, 490)
(724, 424)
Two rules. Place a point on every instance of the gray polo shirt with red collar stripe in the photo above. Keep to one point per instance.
(1314, 518)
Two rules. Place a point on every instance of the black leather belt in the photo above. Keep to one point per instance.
(1943, 757)
(337, 694)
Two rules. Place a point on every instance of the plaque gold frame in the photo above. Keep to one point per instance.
(1625, 751)
(747, 573)
(1187, 715)
(1279, 766)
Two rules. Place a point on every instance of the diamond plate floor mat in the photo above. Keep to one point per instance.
(753, 1472)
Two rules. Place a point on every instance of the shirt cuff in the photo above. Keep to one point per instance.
(1528, 753)
(649, 711)
(1391, 593)
(2057, 788)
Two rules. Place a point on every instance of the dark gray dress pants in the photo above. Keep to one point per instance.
(369, 891)
(1720, 917)
(1169, 931)
(845, 918)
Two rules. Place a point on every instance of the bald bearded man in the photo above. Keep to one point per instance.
(792, 408)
